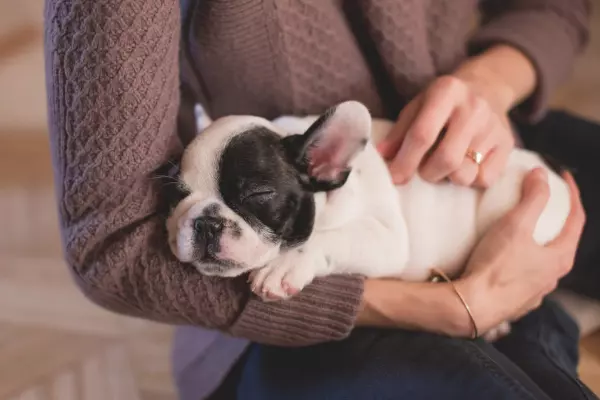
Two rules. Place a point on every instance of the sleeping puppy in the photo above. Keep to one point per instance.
(302, 197)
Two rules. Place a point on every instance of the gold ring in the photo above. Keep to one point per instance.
(476, 156)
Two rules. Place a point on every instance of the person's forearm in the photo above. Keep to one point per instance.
(112, 111)
(432, 307)
(503, 74)
(550, 32)
(113, 94)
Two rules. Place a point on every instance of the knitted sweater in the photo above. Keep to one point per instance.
(122, 76)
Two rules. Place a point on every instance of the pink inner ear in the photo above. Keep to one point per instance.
(337, 141)
(329, 158)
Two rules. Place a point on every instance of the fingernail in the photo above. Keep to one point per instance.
(397, 179)
(541, 173)
(272, 296)
(289, 289)
(383, 150)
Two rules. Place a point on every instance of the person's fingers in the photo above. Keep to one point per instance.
(571, 232)
(483, 142)
(496, 148)
(422, 134)
(534, 197)
(448, 157)
(492, 166)
(389, 146)
(465, 175)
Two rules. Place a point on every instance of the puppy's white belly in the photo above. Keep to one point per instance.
(445, 221)
(505, 194)
(442, 227)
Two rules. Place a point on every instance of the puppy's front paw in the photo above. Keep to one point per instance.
(498, 332)
(286, 275)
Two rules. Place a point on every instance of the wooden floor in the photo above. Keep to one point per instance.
(63, 365)
(54, 344)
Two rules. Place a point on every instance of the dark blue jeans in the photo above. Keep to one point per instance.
(538, 360)
(575, 143)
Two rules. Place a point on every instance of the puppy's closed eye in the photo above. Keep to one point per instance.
(259, 197)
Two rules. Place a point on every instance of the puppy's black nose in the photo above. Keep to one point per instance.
(208, 230)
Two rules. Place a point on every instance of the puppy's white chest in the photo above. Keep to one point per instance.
(337, 208)
(441, 221)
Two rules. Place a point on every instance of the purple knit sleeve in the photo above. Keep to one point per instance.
(113, 91)
(550, 32)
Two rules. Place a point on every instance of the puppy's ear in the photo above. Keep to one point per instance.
(324, 153)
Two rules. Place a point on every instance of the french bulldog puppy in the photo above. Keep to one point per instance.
(302, 197)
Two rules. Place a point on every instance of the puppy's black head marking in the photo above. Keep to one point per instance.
(257, 181)
(270, 181)
(172, 190)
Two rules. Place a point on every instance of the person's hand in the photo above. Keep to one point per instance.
(508, 273)
(473, 120)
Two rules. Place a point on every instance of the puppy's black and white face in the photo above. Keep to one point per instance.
(250, 186)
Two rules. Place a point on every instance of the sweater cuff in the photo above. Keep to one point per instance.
(545, 38)
(323, 311)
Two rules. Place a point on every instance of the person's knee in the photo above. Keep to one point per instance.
(376, 364)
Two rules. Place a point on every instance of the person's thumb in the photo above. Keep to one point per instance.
(535, 193)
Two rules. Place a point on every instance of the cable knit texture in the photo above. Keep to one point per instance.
(114, 84)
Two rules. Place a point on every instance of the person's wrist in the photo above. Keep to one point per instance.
(373, 311)
(477, 293)
(503, 74)
(487, 84)
(433, 307)
(454, 314)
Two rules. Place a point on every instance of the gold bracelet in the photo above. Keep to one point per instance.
(460, 296)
